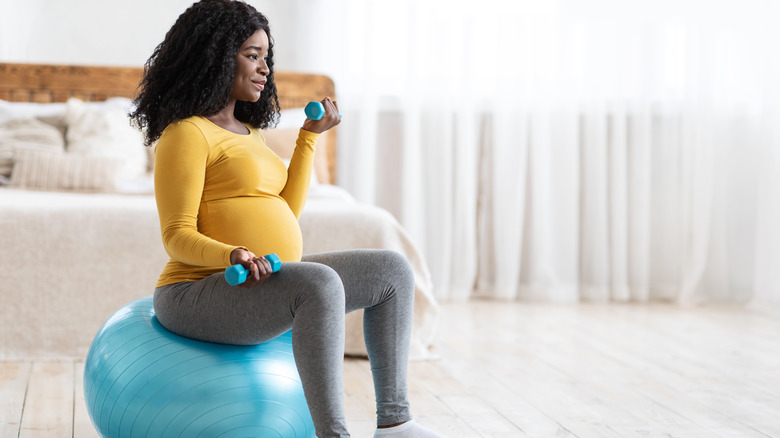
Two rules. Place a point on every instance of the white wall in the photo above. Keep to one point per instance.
(114, 32)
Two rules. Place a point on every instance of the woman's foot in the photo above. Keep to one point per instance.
(410, 429)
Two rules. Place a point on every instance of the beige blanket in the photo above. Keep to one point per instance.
(70, 260)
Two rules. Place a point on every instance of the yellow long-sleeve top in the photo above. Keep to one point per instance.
(217, 191)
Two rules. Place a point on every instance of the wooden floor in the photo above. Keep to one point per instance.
(521, 370)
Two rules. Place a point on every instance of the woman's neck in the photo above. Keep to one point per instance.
(227, 120)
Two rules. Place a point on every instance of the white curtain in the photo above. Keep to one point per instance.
(565, 150)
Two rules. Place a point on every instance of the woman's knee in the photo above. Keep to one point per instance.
(393, 273)
(322, 286)
(400, 262)
(397, 266)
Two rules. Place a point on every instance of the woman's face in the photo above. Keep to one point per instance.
(251, 68)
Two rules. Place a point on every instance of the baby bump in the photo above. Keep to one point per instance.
(261, 224)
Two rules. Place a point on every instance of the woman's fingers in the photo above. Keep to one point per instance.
(333, 111)
(329, 120)
(259, 271)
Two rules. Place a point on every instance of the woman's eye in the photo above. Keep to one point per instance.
(254, 57)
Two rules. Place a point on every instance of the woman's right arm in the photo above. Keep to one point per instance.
(180, 162)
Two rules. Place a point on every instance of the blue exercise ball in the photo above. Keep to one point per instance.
(140, 380)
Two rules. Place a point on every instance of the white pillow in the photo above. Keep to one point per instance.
(26, 134)
(292, 118)
(60, 171)
(51, 113)
(102, 129)
(25, 110)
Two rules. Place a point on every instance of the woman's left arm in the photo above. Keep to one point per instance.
(299, 172)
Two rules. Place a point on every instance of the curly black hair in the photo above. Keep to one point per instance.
(191, 72)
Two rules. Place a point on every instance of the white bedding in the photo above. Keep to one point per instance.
(69, 260)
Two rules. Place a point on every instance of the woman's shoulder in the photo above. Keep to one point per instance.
(194, 123)
(190, 132)
(192, 128)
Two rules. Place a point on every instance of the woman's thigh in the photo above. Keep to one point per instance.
(211, 310)
(369, 276)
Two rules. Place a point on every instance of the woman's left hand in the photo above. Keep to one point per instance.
(259, 268)
(329, 120)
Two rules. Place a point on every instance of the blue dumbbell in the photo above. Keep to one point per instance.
(315, 110)
(237, 274)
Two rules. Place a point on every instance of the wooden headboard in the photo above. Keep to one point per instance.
(45, 83)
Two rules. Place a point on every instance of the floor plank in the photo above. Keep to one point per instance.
(82, 425)
(688, 376)
(14, 377)
(48, 408)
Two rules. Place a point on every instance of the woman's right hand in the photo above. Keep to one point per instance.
(259, 268)
(329, 120)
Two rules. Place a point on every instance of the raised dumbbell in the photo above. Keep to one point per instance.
(237, 274)
(315, 110)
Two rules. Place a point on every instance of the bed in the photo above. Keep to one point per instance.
(80, 234)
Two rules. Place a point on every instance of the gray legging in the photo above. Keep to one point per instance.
(311, 297)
